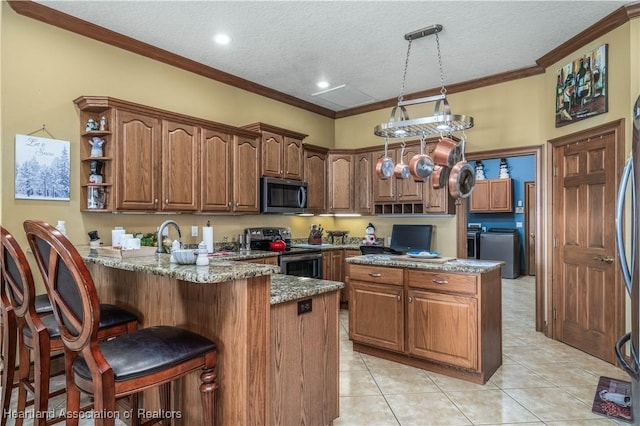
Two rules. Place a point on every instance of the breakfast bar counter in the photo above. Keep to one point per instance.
(251, 312)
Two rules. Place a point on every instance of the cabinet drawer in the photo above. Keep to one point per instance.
(451, 283)
(376, 274)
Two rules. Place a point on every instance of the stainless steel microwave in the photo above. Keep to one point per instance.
(283, 196)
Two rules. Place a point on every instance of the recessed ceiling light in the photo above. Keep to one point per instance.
(322, 84)
(222, 39)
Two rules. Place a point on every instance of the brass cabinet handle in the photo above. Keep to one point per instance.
(155, 201)
(410, 299)
(166, 201)
(375, 274)
(398, 298)
(440, 281)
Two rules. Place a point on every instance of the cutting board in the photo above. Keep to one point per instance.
(126, 254)
(419, 259)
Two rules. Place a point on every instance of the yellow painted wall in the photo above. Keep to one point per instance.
(43, 68)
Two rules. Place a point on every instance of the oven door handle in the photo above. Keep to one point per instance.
(302, 256)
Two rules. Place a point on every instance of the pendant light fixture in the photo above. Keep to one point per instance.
(443, 120)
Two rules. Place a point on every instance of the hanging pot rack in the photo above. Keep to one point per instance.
(443, 120)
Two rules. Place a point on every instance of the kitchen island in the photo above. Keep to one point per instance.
(246, 308)
(442, 315)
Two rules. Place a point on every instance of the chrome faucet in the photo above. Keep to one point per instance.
(161, 228)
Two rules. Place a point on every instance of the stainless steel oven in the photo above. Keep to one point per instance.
(302, 263)
(473, 240)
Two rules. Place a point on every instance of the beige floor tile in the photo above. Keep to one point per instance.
(357, 383)
(394, 381)
(365, 410)
(565, 374)
(490, 406)
(424, 409)
(447, 384)
(593, 422)
(516, 376)
(550, 404)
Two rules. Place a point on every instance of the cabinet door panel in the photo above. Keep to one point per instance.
(383, 189)
(315, 174)
(272, 147)
(246, 170)
(363, 188)
(138, 159)
(479, 198)
(376, 315)
(216, 171)
(443, 328)
(180, 168)
(341, 183)
(409, 189)
(501, 195)
(292, 158)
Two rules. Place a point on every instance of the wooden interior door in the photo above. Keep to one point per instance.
(530, 213)
(584, 195)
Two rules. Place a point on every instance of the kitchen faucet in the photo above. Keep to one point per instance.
(161, 228)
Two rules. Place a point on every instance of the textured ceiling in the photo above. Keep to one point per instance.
(289, 45)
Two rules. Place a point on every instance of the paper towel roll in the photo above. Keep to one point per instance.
(207, 237)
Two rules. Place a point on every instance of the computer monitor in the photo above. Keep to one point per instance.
(406, 238)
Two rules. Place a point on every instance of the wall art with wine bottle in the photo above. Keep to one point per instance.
(581, 87)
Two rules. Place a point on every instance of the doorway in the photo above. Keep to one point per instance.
(461, 218)
(587, 297)
(530, 214)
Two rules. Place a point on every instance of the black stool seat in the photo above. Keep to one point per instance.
(110, 316)
(43, 304)
(147, 351)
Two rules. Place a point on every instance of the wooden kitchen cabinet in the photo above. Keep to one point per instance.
(344, 293)
(447, 322)
(376, 306)
(363, 185)
(281, 151)
(341, 182)
(491, 196)
(156, 160)
(138, 155)
(315, 174)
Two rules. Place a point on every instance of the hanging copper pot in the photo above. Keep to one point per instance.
(401, 171)
(421, 165)
(462, 179)
(384, 167)
(439, 177)
(447, 152)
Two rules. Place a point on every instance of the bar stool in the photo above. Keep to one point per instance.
(39, 333)
(127, 364)
(8, 343)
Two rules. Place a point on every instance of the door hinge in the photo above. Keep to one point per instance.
(555, 314)
(555, 242)
(555, 171)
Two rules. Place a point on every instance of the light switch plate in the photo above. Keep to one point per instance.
(518, 224)
(520, 210)
(194, 231)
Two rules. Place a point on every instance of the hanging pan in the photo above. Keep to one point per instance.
(421, 165)
(401, 171)
(447, 152)
(462, 178)
(439, 177)
(384, 167)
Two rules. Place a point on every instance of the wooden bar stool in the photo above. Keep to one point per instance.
(39, 333)
(8, 343)
(125, 365)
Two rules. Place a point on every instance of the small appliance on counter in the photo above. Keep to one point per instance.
(473, 240)
(341, 234)
(302, 262)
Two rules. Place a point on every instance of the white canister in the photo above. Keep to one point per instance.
(116, 237)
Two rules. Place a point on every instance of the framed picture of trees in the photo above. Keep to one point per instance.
(42, 168)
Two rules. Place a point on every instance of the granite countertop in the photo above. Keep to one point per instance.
(285, 288)
(219, 269)
(455, 265)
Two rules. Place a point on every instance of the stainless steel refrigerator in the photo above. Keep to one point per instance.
(628, 346)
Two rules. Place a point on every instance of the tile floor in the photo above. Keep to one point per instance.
(541, 381)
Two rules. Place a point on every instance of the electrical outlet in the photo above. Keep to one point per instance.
(305, 306)
(194, 231)
(518, 224)
(519, 210)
